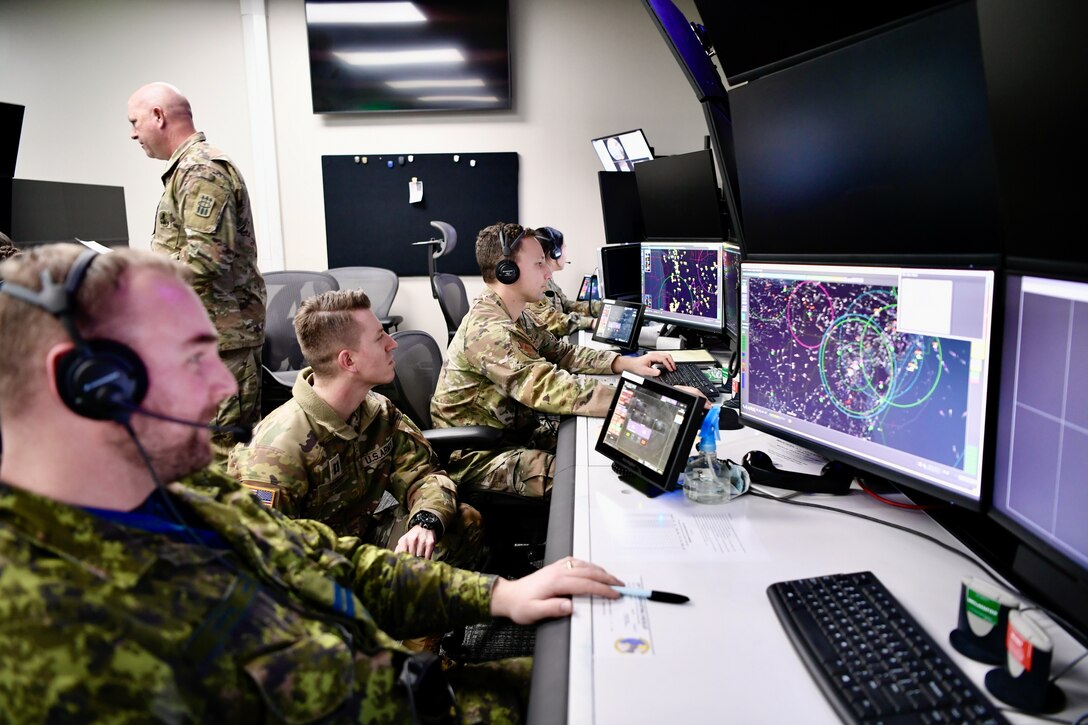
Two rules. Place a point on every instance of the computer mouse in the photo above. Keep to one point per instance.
(729, 419)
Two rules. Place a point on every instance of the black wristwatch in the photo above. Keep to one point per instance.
(428, 521)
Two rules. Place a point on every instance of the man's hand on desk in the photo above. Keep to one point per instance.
(644, 364)
(545, 593)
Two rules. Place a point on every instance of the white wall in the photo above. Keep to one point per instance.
(581, 69)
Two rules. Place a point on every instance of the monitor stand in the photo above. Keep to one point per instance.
(636, 482)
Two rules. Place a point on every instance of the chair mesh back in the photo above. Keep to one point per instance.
(380, 285)
(452, 298)
(417, 360)
(286, 290)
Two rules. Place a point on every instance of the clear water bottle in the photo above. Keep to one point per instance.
(706, 478)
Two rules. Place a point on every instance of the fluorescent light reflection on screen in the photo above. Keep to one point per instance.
(363, 13)
(475, 99)
(402, 57)
(438, 83)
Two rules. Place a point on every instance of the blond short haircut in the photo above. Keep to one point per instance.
(28, 331)
(324, 326)
(489, 250)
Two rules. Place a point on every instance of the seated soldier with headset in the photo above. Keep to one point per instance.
(139, 584)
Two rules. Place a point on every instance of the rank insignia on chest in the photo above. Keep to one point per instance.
(335, 469)
(204, 204)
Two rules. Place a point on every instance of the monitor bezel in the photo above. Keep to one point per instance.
(625, 345)
(867, 465)
(669, 478)
(649, 313)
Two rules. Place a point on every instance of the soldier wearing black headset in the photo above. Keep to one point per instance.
(143, 586)
(557, 312)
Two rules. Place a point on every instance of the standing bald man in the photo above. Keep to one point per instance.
(204, 221)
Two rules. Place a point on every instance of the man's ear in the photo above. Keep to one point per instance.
(345, 361)
(52, 364)
(159, 115)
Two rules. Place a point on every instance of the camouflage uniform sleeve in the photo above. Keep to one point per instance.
(554, 321)
(534, 368)
(206, 205)
(418, 477)
(277, 476)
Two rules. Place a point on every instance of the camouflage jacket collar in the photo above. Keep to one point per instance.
(490, 297)
(180, 151)
(322, 415)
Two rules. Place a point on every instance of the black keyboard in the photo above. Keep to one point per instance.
(872, 660)
(690, 374)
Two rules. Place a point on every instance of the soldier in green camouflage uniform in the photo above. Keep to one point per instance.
(191, 602)
(502, 370)
(371, 474)
(556, 312)
(204, 220)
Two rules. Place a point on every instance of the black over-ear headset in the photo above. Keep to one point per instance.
(99, 379)
(835, 477)
(506, 271)
(552, 237)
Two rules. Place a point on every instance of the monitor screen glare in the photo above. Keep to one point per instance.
(885, 368)
(682, 284)
(622, 151)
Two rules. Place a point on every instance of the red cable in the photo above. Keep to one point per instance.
(878, 497)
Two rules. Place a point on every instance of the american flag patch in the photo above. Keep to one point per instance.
(266, 495)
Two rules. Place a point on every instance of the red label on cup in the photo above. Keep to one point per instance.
(1019, 648)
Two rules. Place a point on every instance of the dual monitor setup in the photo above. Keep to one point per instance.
(957, 382)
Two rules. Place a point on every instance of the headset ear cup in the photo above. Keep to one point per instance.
(834, 478)
(102, 380)
(507, 272)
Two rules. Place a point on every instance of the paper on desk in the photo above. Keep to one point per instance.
(621, 627)
(787, 456)
(671, 529)
(693, 356)
(100, 248)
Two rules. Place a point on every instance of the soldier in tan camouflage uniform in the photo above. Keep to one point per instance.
(204, 221)
(556, 312)
(344, 455)
(502, 370)
(125, 597)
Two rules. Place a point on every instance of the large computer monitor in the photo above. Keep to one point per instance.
(679, 197)
(883, 368)
(1041, 449)
(682, 284)
(620, 276)
(621, 151)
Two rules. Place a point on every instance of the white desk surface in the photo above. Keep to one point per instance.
(724, 656)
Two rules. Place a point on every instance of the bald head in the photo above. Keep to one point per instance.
(161, 119)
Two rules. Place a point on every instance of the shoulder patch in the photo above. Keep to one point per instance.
(267, 495)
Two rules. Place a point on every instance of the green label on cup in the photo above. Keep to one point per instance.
(982, 607)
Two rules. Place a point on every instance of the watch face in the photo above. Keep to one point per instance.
(425, 519)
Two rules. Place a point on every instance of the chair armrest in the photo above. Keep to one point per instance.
(475, 437)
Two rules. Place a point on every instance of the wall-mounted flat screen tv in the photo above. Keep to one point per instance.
(380, 56)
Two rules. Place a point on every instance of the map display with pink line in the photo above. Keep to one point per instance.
(831, 353)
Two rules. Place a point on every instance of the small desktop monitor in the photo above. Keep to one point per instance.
(1041, 448)
(679, 197)
(590, 289)
(620, 277)
(682, 284)
(649, 431)
(619, 324)
(731, 256)
(621, 210)
(621, 151)
(884, 368)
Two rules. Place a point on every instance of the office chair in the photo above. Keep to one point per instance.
(281, 356)
(452, 299)
(380, 285)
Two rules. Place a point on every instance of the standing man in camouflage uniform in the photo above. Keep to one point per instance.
(344, 455)
(556, 312)
(138, 586)
(502, 369)
(204, 221)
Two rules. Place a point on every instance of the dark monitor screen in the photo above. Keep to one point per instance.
(679, 197)
(1041, 450)
(884, 143)
(368, 57)
(53, 211)
(619, 324)
(621, 151)
(682, 284)
(885, 368)
(649, 431)
(620, 276)
(621, 209)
